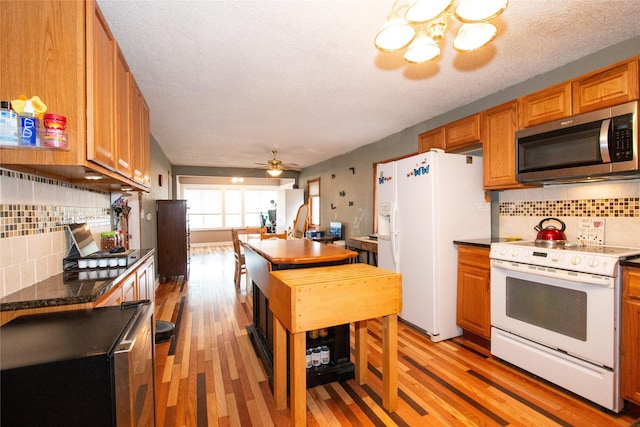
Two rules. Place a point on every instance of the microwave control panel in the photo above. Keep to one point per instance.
(621, 139)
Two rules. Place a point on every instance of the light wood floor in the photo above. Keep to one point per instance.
(208, 373)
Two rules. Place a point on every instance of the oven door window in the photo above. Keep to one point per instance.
(556, 309)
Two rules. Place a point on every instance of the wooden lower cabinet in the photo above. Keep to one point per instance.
(630, 339)
(474, 301)
(146, 280)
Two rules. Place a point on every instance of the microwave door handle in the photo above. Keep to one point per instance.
(604, 141)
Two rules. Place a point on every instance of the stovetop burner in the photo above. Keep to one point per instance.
(591, 259)
(578, 247)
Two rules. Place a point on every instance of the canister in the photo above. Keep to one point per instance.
(108, 240)
(325, 357)
(309, 358)
(316, 358)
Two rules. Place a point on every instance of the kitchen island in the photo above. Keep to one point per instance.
(265, 256)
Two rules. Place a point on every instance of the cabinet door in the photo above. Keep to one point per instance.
(113, 297)
(499, 147)
(462, 133)
(547, 105)
(431, 139)
(630, 339)
(474, 300)
(122, 127)
(43, 53)
(146, 280)
(616, 85)
(146, 147)
(100, 89)
(137, 110)
(129, 288)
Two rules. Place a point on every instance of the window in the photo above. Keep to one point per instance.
(217, 206)
(313, 189)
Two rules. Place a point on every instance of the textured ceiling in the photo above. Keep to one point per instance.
(229, 81)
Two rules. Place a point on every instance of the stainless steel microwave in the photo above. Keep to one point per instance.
(599, 145)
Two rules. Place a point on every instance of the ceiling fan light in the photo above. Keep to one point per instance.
(395, 34)
(474, 36)
(422, 49)
(479, 10)
(421, 11)
(274, 172)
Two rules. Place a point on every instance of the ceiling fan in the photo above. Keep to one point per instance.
(275, 167)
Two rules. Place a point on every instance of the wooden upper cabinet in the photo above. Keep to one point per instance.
(70, 59)
(101, 146)
(544, 106)
(454, 136)
(616, 85)
(462, 133)
(498, 147)
(122, 128)
(139, 128)
(146, 144)
(48, 61)
(431, 139)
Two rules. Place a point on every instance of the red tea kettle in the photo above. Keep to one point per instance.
(550, 233)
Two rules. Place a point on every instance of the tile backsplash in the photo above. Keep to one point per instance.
(33, 214)
(617, 203)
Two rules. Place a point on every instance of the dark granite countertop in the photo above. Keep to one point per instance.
(484, 243)
(71, 287)
(632, 262)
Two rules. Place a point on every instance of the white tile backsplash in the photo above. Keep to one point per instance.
(33, 242)
(622, 224)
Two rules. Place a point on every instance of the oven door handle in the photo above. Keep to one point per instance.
(556, 273)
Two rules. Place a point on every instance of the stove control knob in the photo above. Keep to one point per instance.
(503, 251)
(593, 262)
(515, 253)
(575, 260)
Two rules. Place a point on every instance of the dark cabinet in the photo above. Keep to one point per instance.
(173, 238)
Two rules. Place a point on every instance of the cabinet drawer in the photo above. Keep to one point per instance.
(631, 282)
(474, 255)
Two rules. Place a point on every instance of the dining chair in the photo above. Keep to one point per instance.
(241, 267)
(268, 236)
(256, 230)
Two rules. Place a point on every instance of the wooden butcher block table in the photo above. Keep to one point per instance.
(321, 297)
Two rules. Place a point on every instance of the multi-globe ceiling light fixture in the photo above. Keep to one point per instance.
(425, 22)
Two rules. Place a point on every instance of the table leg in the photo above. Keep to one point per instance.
(390, 362)
(361, 352)
(279, 364)
(298, 378)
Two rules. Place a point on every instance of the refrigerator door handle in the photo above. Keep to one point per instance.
(394, 250)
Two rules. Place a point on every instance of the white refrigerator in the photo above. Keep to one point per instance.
(425, 202)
